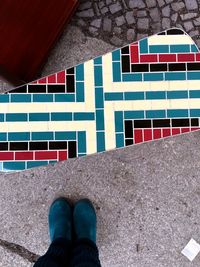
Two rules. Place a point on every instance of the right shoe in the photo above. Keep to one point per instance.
(84, 220)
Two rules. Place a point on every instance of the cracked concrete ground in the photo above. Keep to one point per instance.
(147, 196)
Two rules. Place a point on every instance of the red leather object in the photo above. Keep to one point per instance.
(28, 30)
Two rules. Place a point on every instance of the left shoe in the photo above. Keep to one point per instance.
(60, 220)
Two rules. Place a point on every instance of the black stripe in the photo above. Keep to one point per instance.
(177, 67)
(180, 122)
(58, 145)
(194, 122)
(18, 145)
(129, 142)
(70, 71)
(125, 50)
(162, 33)
(70, 81)
(56, 88)
(21, 89)
(142, 124)
(72, 149)
(161, 123)
(125, 64)
(38, 145)
(37, 88)
(3, 146)
(175, 31)
(140, 67)
(158, 67)
(193, 66)
(129, 129)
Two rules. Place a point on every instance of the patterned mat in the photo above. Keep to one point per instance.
(144, 91)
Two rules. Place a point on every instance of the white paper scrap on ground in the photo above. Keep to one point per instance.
(191, 250)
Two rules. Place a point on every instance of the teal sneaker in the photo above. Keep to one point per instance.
(84, 220)
(60, 219)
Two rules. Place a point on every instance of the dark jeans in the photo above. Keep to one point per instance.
(62, 253)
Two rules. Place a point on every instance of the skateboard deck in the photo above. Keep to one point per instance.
(144, 91)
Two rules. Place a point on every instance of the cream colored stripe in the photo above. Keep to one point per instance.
(169, 39)
(88, 126)
(89, 86)
(109, 120)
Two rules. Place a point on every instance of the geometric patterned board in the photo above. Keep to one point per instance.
(144, 91)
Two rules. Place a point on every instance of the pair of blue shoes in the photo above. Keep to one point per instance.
(64, 220)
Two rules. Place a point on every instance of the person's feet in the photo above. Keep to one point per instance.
(84, 220)
(60, 219)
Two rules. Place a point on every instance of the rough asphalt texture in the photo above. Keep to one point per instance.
(147, 196)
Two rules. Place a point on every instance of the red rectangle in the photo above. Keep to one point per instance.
(157, 134)
(176, 131)
(28, 155)
(148, 135)
(6, 155)
(51, 78)
(194, 129)
(167, 58)
(62, 155)
(186, 57)
(45, 155)
(185, 130)
(134, 53)
(138, 136)
(43, 80)
(61, 77)
(198, 57)
(166, 132)
(148, 58)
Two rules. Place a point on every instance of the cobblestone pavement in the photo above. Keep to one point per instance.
(122, 21)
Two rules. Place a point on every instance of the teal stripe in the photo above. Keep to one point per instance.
(195, 113)
(13, 166)
(153, 77)
(39, 116)
(116, 71)
(158, 49)
(98, 76)
(99, 100)
(119, 140)
(4, 98)
(3, 137)
(65, 135)
(61, 116)
(16, 117)
(134, 95)
(99, 120)
(24, 136)
(132, 77)
(133, 114)
(32, 164)
(179, 48)
(80, 72)
(100, 141)
(119, 124)
(18, 98)
(172, 76)
(84, 116)
(155, 95)
(116, 55)
(64, 97)
(98, 61)
(152, 114)
(195, 75)
(176, 113)
(80, 92)
(42, 97)
(144, 46)
(177, 94)
(81, 142)
(194, 94)
(42, 136)
(114, 96)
